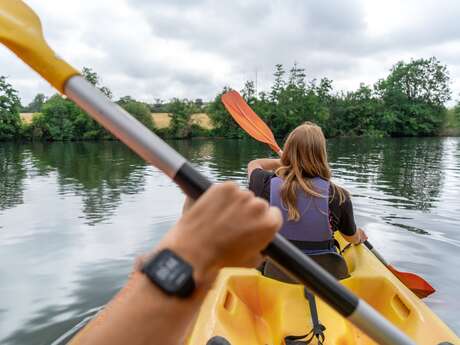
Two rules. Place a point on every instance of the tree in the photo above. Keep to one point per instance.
(140, 111)
(357, 113)
(125, 100)
(180, 112)
(59, 119)
(249, 92)
(223, 123)
(457, 113)
(10, 121)
(297, 77)
(94, 79)
(414, 95)
(279, 82)
(158, 106)
(425, 80)
(199, 103)
(297, 102)
(36, 105)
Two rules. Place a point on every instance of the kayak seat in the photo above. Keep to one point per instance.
(334, 263)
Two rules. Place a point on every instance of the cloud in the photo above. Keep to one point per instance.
(181, 48)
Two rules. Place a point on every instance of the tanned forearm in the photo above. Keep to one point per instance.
(126, 319)
(141, 314)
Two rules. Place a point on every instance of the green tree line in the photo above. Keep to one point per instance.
(410, 101)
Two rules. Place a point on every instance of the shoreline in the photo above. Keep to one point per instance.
(203, 122)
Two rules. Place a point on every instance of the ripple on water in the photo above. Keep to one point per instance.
(74, 215)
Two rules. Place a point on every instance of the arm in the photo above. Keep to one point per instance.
(347, 224)
(264, 164)
(208, 238)
(359, 237)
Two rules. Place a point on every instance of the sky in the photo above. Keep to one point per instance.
(152, 49)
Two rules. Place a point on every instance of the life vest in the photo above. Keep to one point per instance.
(312, 232)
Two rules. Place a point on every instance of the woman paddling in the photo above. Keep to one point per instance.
(299, 185)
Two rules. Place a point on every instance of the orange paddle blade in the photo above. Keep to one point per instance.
(248, 119)
(417, 284)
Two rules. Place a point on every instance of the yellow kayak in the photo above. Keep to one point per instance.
(246, 308)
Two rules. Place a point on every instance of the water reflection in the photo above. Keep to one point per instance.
(98, 172)
(407, 169)
(94, 283)
(13, 171)
(223, 158)
(73, 216)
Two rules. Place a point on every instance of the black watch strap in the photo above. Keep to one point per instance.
(172, 274)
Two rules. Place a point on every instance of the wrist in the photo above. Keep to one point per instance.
(204, 268)
(200, 258)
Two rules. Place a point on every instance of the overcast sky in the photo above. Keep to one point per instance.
(182, 48)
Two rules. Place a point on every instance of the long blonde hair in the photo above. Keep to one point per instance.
(304, 157)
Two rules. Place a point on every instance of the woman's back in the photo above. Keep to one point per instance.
(313, 224)
(299, 185)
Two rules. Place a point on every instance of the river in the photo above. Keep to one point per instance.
(74, 215)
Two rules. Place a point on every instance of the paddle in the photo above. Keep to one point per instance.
(255, 127)
(417, 284)
(20, 30)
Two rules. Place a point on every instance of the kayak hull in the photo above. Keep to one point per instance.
(247, 308)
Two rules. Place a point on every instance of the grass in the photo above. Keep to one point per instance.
(202, 120)
(27, 117)
(162, 120)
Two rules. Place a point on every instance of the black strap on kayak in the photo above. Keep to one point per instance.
(317, 330)
(314, 245)
(345, 248)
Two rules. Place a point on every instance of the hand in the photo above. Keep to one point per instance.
(361, 235)
(225, 227)
(280, 153)
(188, 203)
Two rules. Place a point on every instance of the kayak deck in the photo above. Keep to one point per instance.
(247, 308)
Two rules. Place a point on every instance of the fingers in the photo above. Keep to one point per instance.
(188, 203)
(276, 218)
(215, 198)
(362, 235)
(254, 261)
(233, 224)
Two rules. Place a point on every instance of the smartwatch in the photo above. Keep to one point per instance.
(172, 274)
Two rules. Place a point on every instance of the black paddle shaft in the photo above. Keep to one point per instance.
(282, 252)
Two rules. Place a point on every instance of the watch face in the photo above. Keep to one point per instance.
(171, 273)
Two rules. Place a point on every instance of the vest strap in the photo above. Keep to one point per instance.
(314, 245)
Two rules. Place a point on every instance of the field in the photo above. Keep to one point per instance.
(161, 120)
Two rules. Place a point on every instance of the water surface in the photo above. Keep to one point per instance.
(74, 215)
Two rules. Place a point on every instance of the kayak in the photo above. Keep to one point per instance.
(246, 308)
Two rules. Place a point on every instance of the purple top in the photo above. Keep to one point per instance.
(313, 225)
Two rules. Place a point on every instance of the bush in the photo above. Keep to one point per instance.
(140, 111)
(10, 121)
(180, 112)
